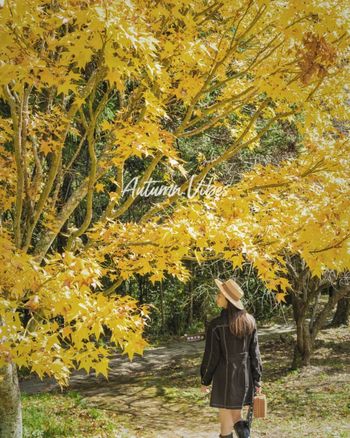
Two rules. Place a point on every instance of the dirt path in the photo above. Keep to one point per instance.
(154, 359)
(156, 392)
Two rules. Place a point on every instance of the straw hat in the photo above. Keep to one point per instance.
(232, 291)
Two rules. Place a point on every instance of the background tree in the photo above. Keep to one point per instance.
(308, 314)
(341, 315)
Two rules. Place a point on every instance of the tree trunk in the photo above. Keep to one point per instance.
(10, 403)
(341, 315)
(140, 285)
(162, 306)
(303, 347)
(190, 291)
(304, 344)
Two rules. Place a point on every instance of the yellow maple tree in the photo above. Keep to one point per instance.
(114, 81)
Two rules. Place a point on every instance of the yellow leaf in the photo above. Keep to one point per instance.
(99, 187)
(280, 297)
(102, 367)
(197, 257)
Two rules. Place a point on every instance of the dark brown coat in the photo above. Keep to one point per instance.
(233, 365)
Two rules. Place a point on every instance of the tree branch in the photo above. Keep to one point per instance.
(237, 145)
(17, 142)
(95, 77)
(157, 158)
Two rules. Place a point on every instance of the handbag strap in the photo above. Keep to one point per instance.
(250, 411)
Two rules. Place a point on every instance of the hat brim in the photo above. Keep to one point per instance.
(237, 303)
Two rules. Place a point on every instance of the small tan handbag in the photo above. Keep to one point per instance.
(260, 406)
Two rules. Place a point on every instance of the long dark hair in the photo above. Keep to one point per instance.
(241, 323)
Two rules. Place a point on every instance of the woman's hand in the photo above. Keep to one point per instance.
(258, 389)
(205, 389)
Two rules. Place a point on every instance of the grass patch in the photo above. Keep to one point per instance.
(65, 415)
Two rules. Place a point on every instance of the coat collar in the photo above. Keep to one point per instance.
(224, 312)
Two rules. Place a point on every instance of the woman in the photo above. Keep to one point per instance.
(231, 360)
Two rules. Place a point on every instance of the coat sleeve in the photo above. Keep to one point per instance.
(255, 359)
(211, 355)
